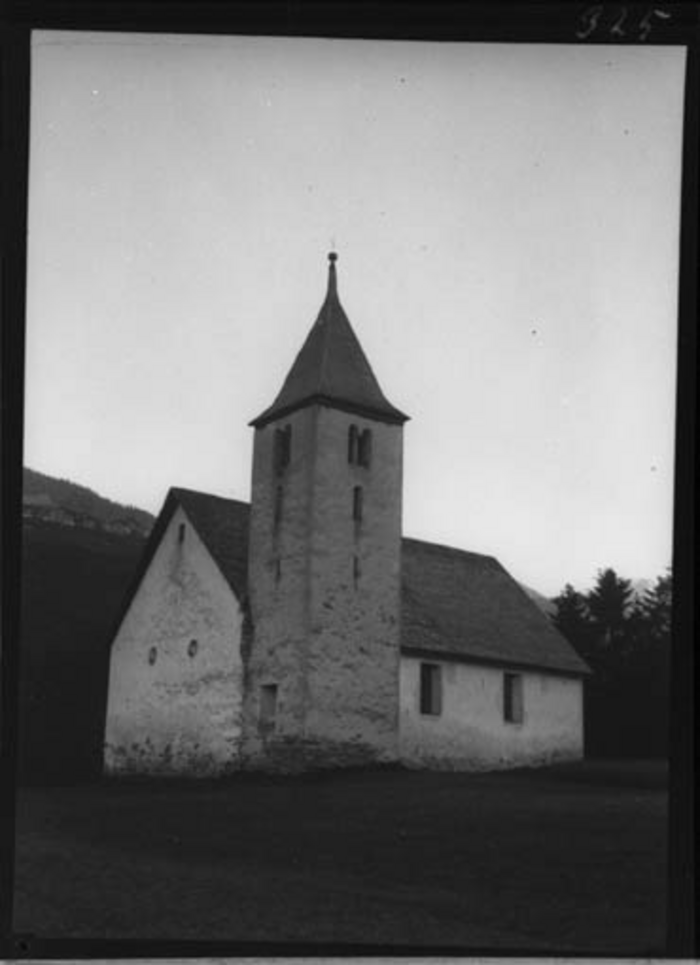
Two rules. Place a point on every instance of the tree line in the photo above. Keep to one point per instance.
(626, 640)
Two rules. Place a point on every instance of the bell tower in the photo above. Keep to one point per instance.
(322, 668)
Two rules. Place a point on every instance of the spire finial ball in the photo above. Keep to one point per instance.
(332, 256)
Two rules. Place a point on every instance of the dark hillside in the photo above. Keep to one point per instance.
(62, 501)
(73, 580)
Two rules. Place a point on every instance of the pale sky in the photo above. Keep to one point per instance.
(507, 224)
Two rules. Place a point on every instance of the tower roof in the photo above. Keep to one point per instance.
(332, 369)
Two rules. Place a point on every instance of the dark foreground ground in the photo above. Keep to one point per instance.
(568, 858)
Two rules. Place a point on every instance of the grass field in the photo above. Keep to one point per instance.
(562, 859)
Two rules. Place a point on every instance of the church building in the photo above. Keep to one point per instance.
(304, 630)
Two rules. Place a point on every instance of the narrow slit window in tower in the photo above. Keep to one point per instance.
(279, 496)
(357, 504)
(352, 445)
(181, 533)
(364, 448)
(282, 448)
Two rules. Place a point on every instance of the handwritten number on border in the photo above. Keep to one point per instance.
(590, 19)
(593, 20)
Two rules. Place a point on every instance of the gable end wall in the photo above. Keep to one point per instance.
(181, 714)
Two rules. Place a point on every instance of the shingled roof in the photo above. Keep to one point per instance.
(332, 369)
(454, 604)
(461, 604)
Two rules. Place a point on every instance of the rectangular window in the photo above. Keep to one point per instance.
(430, 689)
(513, 698)
(268, 706)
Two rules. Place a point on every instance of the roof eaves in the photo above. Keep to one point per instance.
(391, 415)
(454, 656)
(441, 549)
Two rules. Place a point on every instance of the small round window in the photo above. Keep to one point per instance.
(152, 654)
(192, 648)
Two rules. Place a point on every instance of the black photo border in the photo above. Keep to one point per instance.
(525, 22)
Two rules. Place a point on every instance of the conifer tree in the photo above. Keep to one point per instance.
(609, 605)
(626, 642)
(657, 607)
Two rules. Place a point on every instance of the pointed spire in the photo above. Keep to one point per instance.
(332, 277)
(331, 368)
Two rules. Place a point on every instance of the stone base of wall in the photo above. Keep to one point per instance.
(296, 755)
(147, 760)
(427, 761)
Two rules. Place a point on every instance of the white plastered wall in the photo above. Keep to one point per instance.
(470, 733)
(182, 713)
